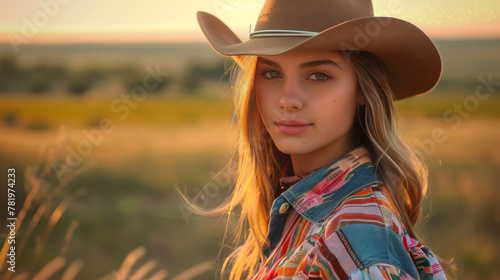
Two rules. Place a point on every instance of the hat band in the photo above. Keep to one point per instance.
(275, 32)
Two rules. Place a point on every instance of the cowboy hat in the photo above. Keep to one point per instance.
(411, 60)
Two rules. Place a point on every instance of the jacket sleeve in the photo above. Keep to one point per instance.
(367, 250)
(366, 239)
(362, 250)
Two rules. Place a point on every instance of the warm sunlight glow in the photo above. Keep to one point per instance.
(167, 21)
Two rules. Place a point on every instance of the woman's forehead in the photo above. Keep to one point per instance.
(301, 57)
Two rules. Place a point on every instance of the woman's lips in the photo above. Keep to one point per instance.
(292, 127)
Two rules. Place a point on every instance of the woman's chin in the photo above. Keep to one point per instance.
(293, 147)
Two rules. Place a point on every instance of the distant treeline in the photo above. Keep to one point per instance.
(44, 77)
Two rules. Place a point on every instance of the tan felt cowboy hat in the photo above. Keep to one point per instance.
(412, 61)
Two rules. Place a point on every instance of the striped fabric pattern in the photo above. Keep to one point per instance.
(342, 224)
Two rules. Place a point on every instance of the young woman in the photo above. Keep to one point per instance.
(327, 188)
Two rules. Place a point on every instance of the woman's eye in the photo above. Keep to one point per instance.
(319, 76)
(271, 74)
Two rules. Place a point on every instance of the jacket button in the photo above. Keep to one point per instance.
(284, 207)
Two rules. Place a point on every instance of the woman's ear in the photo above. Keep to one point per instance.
(361, 99)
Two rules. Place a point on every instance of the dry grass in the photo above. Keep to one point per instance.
(472, 141)
(47, 197)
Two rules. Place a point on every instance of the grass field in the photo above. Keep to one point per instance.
(124, 196)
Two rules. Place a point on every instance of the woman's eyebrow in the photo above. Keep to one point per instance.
(303, 65)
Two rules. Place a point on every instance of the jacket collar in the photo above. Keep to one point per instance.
(316, 194)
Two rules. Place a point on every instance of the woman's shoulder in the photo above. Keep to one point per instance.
(372, 205)
(366, 230)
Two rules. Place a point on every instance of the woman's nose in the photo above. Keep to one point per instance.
(291, 97)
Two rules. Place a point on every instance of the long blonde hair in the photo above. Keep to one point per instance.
(260, 162)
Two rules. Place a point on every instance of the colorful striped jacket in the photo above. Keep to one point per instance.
(342, 224)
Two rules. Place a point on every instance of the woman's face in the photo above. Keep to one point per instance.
(307, 101)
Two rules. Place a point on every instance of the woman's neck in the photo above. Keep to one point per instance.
(303, 163)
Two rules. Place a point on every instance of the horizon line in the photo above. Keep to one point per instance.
(162, 38)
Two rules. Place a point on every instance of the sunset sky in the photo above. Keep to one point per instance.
(53, 21)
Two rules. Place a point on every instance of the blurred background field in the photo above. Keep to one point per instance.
(120, 196)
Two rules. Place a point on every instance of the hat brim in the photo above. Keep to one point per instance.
(411, 59)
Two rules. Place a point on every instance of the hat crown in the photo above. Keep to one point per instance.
(310, 15)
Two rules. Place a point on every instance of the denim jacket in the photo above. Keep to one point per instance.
(339, 222)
